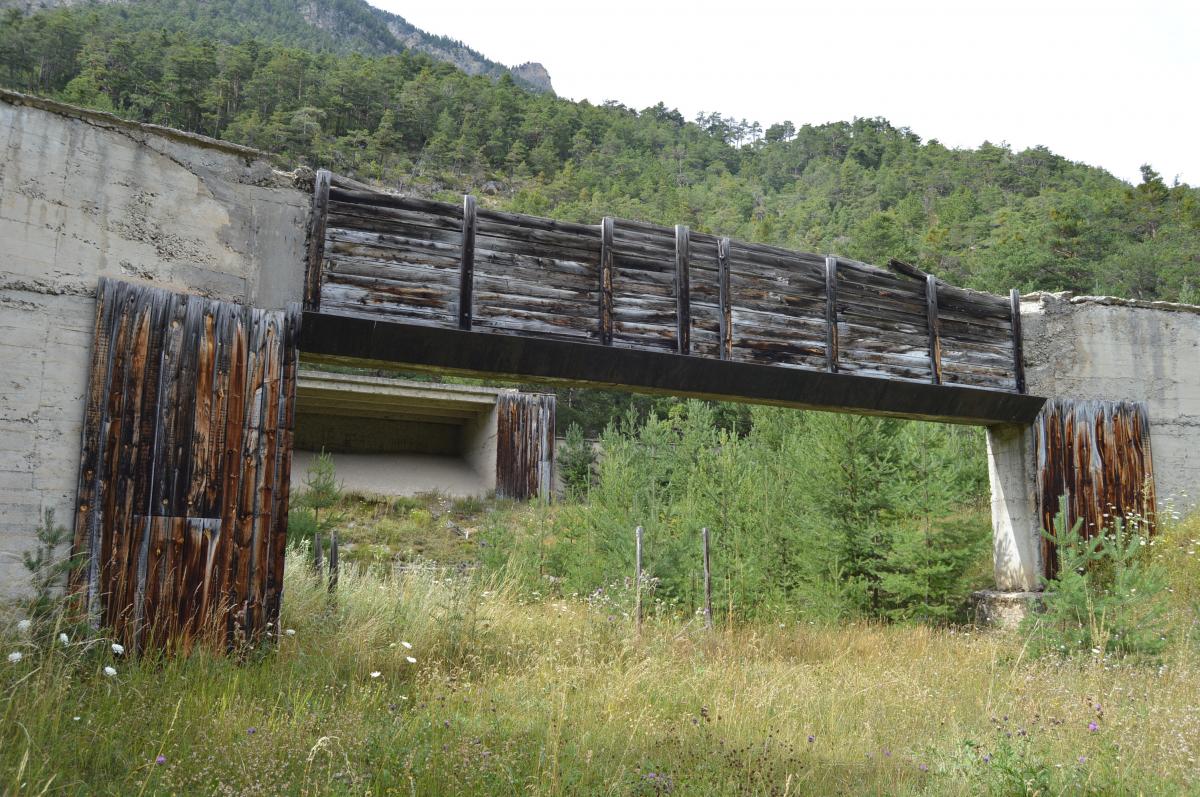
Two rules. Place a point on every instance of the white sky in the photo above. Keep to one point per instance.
(1114, 84)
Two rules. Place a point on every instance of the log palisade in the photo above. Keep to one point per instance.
(636, 285)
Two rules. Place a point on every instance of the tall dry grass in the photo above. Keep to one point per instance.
(507, 696)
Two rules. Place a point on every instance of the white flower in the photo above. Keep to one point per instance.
(290, 632)
(410, 659)
(110, 671)
(118, 649)
(76, 719)
(15, 656)
(406, 644)
(376, 673)
(63, 638)
(24, 625)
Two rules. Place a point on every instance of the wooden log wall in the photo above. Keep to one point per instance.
(643, 286)
(1095, 455)
(525, 445)
(184, 475)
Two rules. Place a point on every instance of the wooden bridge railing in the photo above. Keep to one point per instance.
(642, 286)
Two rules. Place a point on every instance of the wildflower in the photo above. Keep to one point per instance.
(15, 656)
(24, 625)
(406, 644)
(1083, 759)
(987, 758)
(1093, 727)
(110, 671)
(63, 638)
(75, 719)
(118, 649)
(162, 759)
(811, 738)
(410, 659)
(252, 730)
(923, 767)
(376, 673)
(290, 632)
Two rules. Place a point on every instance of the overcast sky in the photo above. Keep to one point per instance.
(1111, 84)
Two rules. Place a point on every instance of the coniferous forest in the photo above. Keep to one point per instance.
(259, 74)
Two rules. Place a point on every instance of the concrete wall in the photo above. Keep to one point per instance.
(339, 434)
(478, 446)
(82, 195)
(1098, 348)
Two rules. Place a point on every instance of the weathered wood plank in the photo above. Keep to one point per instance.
(467, 270)
(935, 345)
(1014, 299)
(683, 315)
(831, 324)
(606, 281)
(725, 306)
(316, 240)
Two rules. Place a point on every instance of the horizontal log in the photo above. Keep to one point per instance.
(589, 231)
(383, 200)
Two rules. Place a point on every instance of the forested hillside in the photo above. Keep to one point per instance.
(989, 218)
(342, 26)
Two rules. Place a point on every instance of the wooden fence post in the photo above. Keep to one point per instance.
(466, 276)
(1014, 303)
(333, 561)
(683, 289)
(638, 584)
(606, 280)
(935, 338)
(316, 240)
(725, 322)
(708, 618)
(831, 330)
(318, 553)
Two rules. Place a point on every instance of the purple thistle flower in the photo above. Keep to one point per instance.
(923, 767)
(887, 753)
(811, 738)
(162, 759)
(987, 758)
(1083, 759)
(1093, 727)
(252, 730)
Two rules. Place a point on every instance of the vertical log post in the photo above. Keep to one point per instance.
(637, 573)
(725, 307)
(318, 553)
(683, 311)
(316, 241)
(1014, 302)
(333, 561)
(831, 332)
(466, 278)
(708, 617)
(935, 339)
(606, 280)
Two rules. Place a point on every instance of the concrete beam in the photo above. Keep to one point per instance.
(344, 339)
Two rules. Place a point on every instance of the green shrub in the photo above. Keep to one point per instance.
(576, 462)
(1108, 597)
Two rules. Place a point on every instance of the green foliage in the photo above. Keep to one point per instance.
(1109, 596)
(813, 514)
(322, 493)
(47, 568)
(575, 462)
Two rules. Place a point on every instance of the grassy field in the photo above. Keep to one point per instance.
(501, 694)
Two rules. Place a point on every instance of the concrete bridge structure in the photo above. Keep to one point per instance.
(86, 196)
